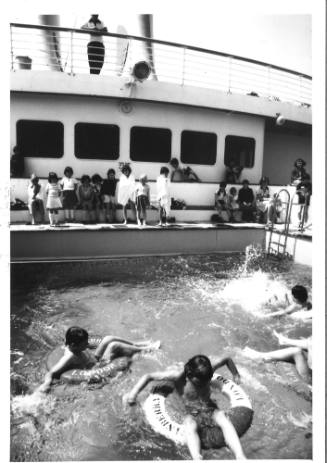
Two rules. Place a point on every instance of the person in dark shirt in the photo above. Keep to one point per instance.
(17, 163)
(246, 202)
(299, 174)
(108, 195)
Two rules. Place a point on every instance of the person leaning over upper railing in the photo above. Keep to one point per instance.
(95, 47)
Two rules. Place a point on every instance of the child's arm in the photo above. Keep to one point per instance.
(172, 375)
(290, 309)
(56, 370)
(217, 362)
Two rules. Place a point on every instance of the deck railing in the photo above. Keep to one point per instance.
(65, 50)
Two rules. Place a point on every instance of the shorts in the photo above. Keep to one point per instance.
(142, 202)
(69, 199)
(107, 199)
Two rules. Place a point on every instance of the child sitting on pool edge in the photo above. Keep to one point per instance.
(299, 307)
(192, 383)
(76, 356)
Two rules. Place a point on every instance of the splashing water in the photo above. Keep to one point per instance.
(253, 291)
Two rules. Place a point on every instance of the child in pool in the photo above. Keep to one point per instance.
(192, 383)
(142, 192)
(69, 198)
(76, 355)
(299, 307)
(298, 351)
(53, 192)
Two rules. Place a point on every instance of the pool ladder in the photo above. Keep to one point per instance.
(278, 238)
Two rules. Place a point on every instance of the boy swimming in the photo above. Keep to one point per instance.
(78, 355)
(192, 383)
(298, 307)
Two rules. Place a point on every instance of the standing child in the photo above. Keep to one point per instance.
(69, 197)
(163, 195)
(192, 384)
(97, 203)
(221, 202)
(142, 193)
(53, 191)
(35, 200)
(86, 197)
(126, 190)
(232, 204)
(108, 195)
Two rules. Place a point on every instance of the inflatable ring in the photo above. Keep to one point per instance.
(240, 414)
(92, 375)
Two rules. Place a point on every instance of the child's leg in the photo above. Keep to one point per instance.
(107, 341)
(230, 435)
(72, 214)
(144, 216)
(56, 216)
(125, 214)
(192, 438)
(51, 218)
(138, 216)
(66, 212)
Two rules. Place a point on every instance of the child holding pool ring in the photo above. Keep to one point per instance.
(76, 354)
(298, 351)
(192, 383)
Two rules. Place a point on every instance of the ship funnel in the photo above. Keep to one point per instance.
(52, 41)
(146, 23)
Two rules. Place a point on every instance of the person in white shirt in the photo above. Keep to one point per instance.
(95, 47)
(69, 197)
(163, 195)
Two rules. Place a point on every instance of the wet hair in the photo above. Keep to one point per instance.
(174, 162)
(52, 177)
(143, 177)
(222, 185)
(125, 168)
(75, 336)
(264, 180)
(112, 171)
(232, 190)
(67, 170)
(199, 367)
(245, 181)
(85, 178)
(299, 161)
(34, 178)
(164, 170)
(300, 293)
(96, 178)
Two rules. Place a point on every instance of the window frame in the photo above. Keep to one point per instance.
(162, 161)
(254, 150)
(199, 163)
(42, 121)
(93, 158)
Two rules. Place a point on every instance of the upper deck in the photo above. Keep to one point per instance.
(180, 74)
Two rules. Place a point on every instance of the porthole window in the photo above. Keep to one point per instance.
(96, 141)
(198, 147)
(149, 144)
(40, 139)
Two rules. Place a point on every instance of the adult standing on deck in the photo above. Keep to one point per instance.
(95, 47)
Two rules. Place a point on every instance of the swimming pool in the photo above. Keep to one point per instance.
(196, 304)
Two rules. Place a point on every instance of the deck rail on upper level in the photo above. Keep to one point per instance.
(65, 50)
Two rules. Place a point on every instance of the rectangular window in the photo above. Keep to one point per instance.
(198, 147)
(148, 144)
(239, 150)
(96, 141)
(40, 139)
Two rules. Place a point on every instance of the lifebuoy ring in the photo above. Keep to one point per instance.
(240, 414)
(92, 375)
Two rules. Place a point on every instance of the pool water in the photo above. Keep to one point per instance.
(195, 305)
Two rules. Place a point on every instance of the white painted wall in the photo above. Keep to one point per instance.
(72, 109)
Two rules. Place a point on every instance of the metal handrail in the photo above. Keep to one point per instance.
(189, 65)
